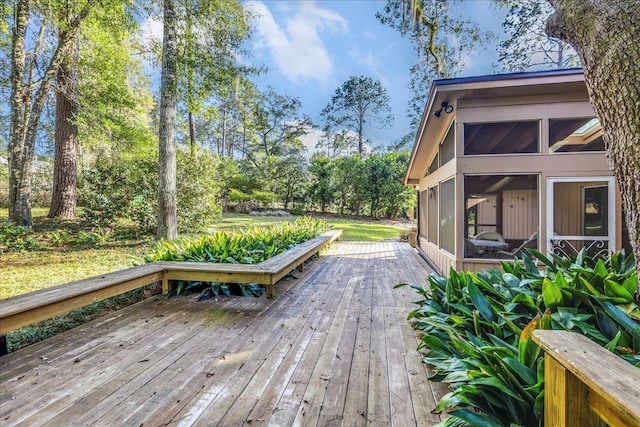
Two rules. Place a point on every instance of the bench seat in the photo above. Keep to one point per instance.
(24, 309)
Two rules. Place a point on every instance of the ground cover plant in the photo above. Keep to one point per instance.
(250, 246)
(476, 330)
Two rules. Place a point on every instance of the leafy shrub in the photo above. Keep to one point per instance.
(117, 188)
(81, 239)
(240, 247)
(476, 330)
(17, 238)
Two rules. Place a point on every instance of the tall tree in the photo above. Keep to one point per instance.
(32, 77)
(441, 38)
(606, 35)
(360, 100)
(65, 164)
(200, 43)
(276, 126)
(527, 45)
(167, 204)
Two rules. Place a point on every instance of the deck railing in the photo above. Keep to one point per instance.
(585, 384)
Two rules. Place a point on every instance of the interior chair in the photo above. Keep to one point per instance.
(489, 235)
(531, 242)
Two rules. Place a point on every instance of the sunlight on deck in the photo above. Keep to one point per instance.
(333, 348)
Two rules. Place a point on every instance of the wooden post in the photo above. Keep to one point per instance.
(585, 384)
(165, 283)
(271, 291)
(566, 398)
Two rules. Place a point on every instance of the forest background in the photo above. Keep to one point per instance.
(90, 116)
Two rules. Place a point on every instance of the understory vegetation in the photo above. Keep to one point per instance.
(476, 330)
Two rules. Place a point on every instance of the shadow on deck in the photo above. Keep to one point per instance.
(334, 348)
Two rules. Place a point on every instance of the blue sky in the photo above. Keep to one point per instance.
(312, 47)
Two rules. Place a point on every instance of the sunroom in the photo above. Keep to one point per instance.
(502, 163)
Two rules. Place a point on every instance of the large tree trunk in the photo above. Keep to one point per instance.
(19, 164)
(27, 101)
(65, 166)
(606, 35)
(167, 200)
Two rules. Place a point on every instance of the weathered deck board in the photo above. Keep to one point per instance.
(333, 349)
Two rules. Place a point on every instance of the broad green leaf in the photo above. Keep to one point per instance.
(476, 418)
(525, 373)
(481, 303)
(615, 290)
(551, 294)
(631, 284)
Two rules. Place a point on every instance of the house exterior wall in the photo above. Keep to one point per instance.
(517, 205)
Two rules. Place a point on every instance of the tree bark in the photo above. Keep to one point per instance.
(27, 106)
(19, 176)
(606, 35)
(167, 200)
(65, 166)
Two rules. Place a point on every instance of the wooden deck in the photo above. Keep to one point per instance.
(334, 348)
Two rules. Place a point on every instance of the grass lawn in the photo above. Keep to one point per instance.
(28, 271)
(353, 230)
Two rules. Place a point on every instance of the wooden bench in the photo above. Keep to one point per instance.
(585, 384)
(31, 307)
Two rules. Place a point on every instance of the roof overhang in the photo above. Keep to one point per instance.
(432, 129)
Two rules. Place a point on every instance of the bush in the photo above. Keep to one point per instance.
(476, 330)
(17, 238)
(126, 188)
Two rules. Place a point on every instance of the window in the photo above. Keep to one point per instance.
(447, 148)
(423, 208)
(502, 214)
(595, 215)
(501, 138)
(432, 216)
(446, 151)
(575, 135)
(447, 216)
(434, 165)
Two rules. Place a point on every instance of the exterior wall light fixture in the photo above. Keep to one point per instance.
(448, 108)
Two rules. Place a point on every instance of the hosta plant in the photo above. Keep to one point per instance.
(476, 329)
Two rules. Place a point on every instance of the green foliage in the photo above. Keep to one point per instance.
(476, 329)
(527, 46)
(250, 246)
(359, 101)
(17, 238)
(321, 192)
(80, 240)
(126, 188)
(198, 189)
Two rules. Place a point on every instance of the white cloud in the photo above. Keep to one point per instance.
(295, 46)
(373, 62)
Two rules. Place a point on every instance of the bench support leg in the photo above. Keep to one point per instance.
(271, 291)
(165, 284)
(3, 345)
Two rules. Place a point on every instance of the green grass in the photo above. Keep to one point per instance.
(353, 230)
(29, 271)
